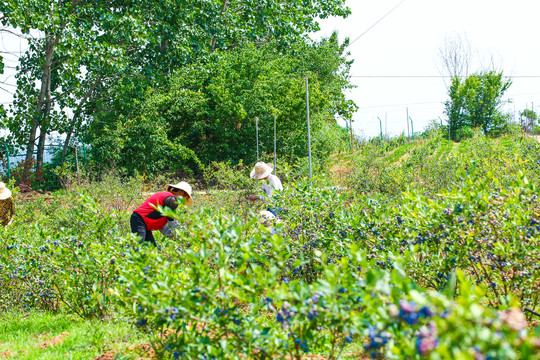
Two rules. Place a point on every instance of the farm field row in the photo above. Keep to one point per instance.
(424, 250)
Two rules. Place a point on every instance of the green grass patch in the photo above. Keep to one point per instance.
(398, 152)
(36, 335)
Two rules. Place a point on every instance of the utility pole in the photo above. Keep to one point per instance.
(412, 128)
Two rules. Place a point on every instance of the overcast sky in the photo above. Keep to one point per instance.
(407, 43)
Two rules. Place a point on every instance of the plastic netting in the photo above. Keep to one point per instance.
(13, 165)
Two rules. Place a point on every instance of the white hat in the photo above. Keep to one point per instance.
(265, 215)
(182, 185)
(261, 170)
(4, 191)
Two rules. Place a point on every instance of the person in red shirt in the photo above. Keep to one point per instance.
(147, 218)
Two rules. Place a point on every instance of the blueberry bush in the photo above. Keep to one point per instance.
(231, 295)
(401, 260)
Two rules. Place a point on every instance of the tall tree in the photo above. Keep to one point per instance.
(52, 57)
(210, 107)
(95, 59)
(476, 102)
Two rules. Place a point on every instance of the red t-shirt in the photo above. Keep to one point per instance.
(153, 219)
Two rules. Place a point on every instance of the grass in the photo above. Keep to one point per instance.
(35, 335)
(46, 336)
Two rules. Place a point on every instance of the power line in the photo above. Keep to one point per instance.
(378, 21)
(396, 105)
(434, 76)
(9, 92)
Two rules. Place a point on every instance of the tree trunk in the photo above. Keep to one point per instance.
(39, 114)
(214, 39)
(44, 130)
(66, 144)
(76, 117)
(41, 148)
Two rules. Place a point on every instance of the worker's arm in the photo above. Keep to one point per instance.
(169, 229)
(172, 203)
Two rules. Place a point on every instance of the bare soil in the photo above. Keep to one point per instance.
(58, 339)
(6, 354)
(109, 355)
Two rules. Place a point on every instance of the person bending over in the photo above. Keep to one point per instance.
(263, 171)
(147, 218)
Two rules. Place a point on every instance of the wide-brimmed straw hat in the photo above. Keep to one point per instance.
(261, 170)
(265, 215)
(182, 185)
(5, 193)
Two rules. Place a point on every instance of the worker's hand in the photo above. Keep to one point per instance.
(253, 197)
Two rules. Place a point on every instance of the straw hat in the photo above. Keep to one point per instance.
(265, 216)
(261, 170)
(182, 185)
(4, 191)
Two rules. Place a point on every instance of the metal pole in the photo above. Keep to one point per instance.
(352, 138)
(8, 166)
(532, 118)
(524, 125)
(77, 165)
(412, 128)
(408, 133)
(308, 128)
(386, 124)
(257, 135)
(380, 123)
(275, 147)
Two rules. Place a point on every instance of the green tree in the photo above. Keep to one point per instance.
(210, 107)
(55, 76)
(94, 60)
(475, 102)
(529, 119)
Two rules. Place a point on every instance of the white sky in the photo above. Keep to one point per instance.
(407, 43)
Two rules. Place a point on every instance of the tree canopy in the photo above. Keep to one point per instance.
(97, 59)
(475, 102)
(210, 108)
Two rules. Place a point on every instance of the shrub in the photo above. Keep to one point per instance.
(228, 296)
(464, 133)
(70, 264)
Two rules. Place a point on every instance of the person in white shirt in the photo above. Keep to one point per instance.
(263, 171)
